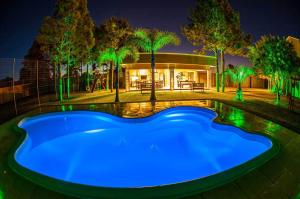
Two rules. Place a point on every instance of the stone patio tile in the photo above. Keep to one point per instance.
(253, 184)
(293, 146)
(42, 193)
(24, 188)
(293, 165)
(198, 196)
(285, 186)
(273, 168)
(10, 195)
(8, 178)
(229, 191)
(284, 137)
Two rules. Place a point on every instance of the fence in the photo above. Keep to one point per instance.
(24, 85)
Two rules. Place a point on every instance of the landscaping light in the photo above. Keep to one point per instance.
(1, 194)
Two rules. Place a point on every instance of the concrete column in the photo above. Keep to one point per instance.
(196, 79)
(208, 79)
(172, 73)
(127, 80)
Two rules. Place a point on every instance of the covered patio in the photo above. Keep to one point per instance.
(173, 71)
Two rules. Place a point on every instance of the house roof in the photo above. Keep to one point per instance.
(163, 59)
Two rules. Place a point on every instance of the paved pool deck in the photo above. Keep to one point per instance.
(278, 178)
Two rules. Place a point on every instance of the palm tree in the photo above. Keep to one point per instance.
(151, 40)
(117, 56)
(238, 75)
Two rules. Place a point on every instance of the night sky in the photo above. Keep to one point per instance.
(20, 20)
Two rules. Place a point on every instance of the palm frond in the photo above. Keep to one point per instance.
(127, 51)
(239, 73)
(143, 40)
(107, 55)
(164, 38)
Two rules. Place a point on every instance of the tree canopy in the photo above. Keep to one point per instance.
(238, 75)
(113, 44)
(117, 56)
(275, 57)
(67, 36)
(214, 25)
(113, 33)
(151, 40)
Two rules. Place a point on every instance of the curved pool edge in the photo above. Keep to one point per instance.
(178, 190)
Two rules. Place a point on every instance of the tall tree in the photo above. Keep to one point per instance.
(215, 26)
(67, 36)
(235, 42)
(117, 56)
(238, 75)
(151, 41)
(275, 58)
(50, 39)
(85, 41)
(85, 32)
(67, 15)
(113, 33)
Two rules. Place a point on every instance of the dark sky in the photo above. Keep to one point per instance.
(20, 19)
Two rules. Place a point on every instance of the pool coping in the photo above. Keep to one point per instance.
(178, 190)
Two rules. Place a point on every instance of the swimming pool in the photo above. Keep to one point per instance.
(177, 146)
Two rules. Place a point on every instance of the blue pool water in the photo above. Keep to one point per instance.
(176, 145)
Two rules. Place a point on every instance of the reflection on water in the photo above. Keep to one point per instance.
(230, 114)
(227, 114)
(65, 108)
(237, 117)
(272, 127)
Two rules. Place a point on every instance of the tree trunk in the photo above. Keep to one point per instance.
(87, 78)
(68, 81)
(60, 84)
(239, 92)
(217, 72)
(153, 97)
(107, 81)
(112, 77)
(117, 83)
(277, 84)
(55, 81)
(223, 70)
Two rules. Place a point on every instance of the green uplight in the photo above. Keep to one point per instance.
(237, 117)
(1, 194)
(296, 90)
(298, 196)
(71, 107)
